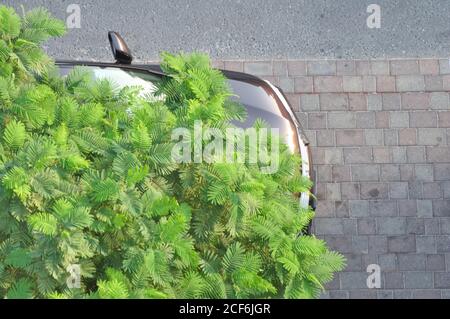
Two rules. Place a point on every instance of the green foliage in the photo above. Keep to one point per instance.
(87, 178)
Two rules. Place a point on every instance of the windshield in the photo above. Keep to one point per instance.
(122, 77)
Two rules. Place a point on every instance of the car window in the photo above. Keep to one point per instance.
(121, 77)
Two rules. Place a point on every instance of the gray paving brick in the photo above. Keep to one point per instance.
(369, 83)
(341, 209)
(350, 137)
(415, 226)
(333, 102)
(357, 102)
(340, 243)
(391, 101)
(416, 154)
(426, 244)
(390, 137)
(329, 226)
(325, 138)
(443, 244)
(323, 173)
(435, 262)
(352, 83)
(389, 172)
(360, 244)
(431, 136)
(441, 208)
(401, 244)
(388, 262)
(258, 68)
(444, 118)
(317, 120)
(431, 226)
(423, 119)
(444, 67)
(237, 66)
(439, 101)
(366, 226)
(354, 262)
(333, 191)
(309, 102)
(403, 294)
(409, 83)
(345, 67)
(418, 279)
(341, 173)
(333, 156)
(398, 190)
(378, 245)
(415, 101)
(424, 172)
(445, 185)
(393, 280)
(385, 294)
(381, 154)
(445, 293)
(391, 225)
(415, 190)
(385, 83)
(279, 67)
(359, 208)
(433, 83)
(399, 155)
(438, 154)
(365, 172)
(426, 294)
(407, 207)
(373, 137)
(365, 119)
(374, 191)
(379, 67)
(321, 67)
(399, 119)
(429, 66)
(286, 84)
(341, 120)
(325, 209)
(303, 84)
(339, 294)
(383, 208)
(296, 68)
(382, 119)
(351, 191)
(374, 102)
(363, 294)
(442, 172)
(432, 190)
(406, 172)
(359, 155)
(404, 67)
(362, 67)
(442, 280)
(349, 226)
(445, 225)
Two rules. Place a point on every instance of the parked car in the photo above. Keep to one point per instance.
(261, 98)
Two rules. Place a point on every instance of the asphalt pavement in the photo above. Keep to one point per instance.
(254, 29)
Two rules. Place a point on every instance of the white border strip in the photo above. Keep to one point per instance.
(304, 197)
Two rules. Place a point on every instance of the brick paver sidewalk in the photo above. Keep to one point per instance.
(380, 132)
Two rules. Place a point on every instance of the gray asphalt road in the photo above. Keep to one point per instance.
(242, 29)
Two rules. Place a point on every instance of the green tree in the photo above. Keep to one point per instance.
(87, 178)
